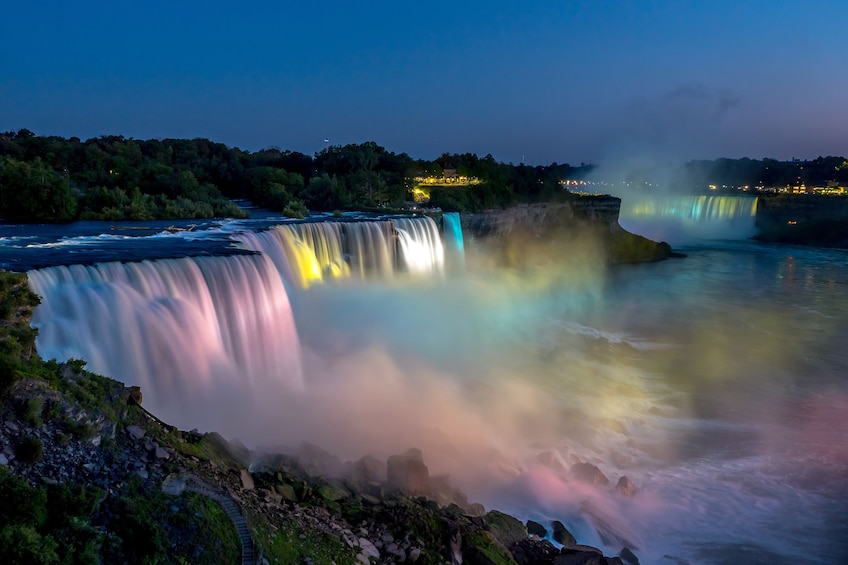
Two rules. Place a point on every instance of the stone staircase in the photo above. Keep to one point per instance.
(233, 511)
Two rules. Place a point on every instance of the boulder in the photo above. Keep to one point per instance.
(368, 469)
(332, 491)
(628, 556)
(625, 487)
(135, 432)
(246, 480)
(536, 529)
(533, 552)
(588, 473)
(286, 492)
(580, 555)
(561, 534)
(408, 474)
(506, 529)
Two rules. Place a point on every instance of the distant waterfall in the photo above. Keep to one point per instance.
(682, 218)
(182, 329)
(453, 241)
(310, 252)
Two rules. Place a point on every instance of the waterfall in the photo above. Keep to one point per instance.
(185, 330)
(453, 242)
(421, 249)
(309, 252)
(683, 218)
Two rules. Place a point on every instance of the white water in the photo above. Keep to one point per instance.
(716, 383)
(191, 332)
(681, 220)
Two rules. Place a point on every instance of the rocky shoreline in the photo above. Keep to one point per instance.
(316, 507)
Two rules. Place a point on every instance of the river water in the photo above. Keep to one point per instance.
(716, 383)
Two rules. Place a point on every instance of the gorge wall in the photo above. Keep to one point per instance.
(585, 227)
(803, 219)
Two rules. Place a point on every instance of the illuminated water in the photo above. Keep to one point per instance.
(684, 219)
(716, 382)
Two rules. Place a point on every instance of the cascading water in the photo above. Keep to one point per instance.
(684, 219)
(310, 252)
(421, 249)
(453, 241)
(189, 331)
(717, 385)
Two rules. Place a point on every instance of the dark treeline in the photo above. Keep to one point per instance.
(767, 173)
(48, 178)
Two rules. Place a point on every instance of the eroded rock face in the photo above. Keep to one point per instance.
(408, 474)
(589, 473)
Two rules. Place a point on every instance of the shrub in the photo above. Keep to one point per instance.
(29, 449)
(32, 411)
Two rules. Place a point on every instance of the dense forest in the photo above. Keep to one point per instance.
(49, 178)
(112, 178)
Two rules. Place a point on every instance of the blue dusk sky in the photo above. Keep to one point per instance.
(533, 81)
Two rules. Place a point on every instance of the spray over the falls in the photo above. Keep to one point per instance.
(345, 334)
(684, 219)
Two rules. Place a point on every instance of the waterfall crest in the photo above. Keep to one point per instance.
(311, 252)
(680, 219)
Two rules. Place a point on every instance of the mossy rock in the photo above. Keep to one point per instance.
(482, 547)
(506, 529)
(333, 491)
(286, 491)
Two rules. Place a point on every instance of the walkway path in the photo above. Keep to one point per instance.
(231, 508)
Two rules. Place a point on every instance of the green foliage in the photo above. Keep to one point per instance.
(22, 545)
(32, 411)
(148, 526)
(20, 503)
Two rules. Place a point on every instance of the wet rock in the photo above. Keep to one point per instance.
(561, 534)
(580, 555)
(506, 529)
(628, 556)
(536, 529)
(533, 552)
(407, 473)
(625, 487)
(588, 473)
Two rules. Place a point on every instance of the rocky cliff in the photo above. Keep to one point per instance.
(803, 219)
(582, 228)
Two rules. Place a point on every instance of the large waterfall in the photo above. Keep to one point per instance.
(207, 335)
(715, 384)
(683, 219)
(310, 252)
(188, 331)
